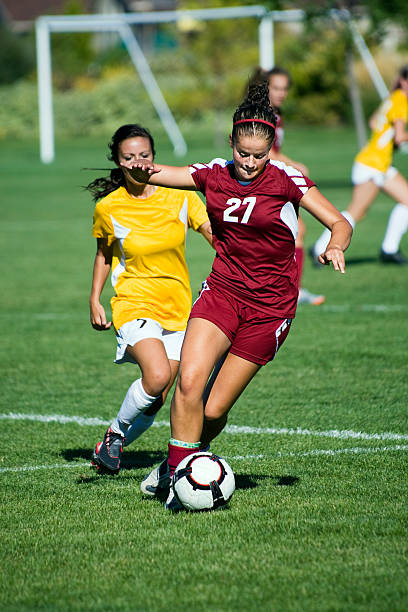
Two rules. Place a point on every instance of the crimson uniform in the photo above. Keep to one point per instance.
(254, 226)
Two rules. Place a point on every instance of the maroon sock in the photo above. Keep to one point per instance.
(299, 261)
(177, 454)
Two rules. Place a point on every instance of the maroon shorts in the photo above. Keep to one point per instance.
(254, 335)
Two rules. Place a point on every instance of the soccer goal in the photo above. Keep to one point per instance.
(121, 24)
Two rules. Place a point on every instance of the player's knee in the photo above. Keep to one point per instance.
(188, 387)
(155, 381)
(215, 413)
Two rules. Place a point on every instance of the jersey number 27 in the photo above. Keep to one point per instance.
(235, 203)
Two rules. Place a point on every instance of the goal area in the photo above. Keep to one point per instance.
(121, 24)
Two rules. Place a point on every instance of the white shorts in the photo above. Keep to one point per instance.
(360, 173)
(140, 329)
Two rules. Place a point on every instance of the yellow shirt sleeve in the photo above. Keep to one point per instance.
(102, 224)
(197, 212)
(399, 109)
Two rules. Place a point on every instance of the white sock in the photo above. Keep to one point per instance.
(323, 240)
(136, 401)
(396, 228)
(141, 423)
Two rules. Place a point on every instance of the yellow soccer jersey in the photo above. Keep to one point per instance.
(378, 151)
(149, 270)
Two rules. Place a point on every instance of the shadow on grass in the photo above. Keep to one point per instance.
(130, 460)
(355, 261)
(246, 481)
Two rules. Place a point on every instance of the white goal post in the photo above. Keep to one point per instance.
(120, 23)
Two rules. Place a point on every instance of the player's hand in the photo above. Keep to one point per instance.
(140, 169)
(98, 317)
(335, 256)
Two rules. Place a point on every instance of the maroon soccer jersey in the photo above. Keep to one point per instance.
(254, 227)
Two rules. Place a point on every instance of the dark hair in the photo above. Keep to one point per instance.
(255, 106)
(260, 75)
(280, 71)
(403, 74)
(102, 186)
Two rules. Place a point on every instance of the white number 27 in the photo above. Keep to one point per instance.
(233, 204)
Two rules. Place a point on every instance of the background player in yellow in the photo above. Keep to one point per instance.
(372, 171)
(140, 231)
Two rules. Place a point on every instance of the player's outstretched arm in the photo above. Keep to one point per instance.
(341, 231)
(178, 177)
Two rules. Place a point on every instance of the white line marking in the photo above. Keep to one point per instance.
(328, 452)
(363, 308)
(34, 468)
(53, 418)
(312, 453)
(343, 434)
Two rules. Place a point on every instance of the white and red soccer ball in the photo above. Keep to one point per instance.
(203, 481)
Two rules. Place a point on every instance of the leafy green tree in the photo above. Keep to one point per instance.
(72, 53)
(16, 57)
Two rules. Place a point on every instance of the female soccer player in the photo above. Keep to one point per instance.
(279, 82)
(140, 231)
(247, 304)
(372, 171)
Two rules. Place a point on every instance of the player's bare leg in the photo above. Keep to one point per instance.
(361, 200)
(204, 345)
(232, 379)
(144, 420)
(157, 375)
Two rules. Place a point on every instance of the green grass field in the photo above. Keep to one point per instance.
(319, 518)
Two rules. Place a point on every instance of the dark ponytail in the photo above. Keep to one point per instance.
(256, 106)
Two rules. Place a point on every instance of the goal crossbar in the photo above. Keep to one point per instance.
(120, 23)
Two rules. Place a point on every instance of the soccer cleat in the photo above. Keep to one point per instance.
(306, 297)
(393, 258)
(172, 503)
(157, 481)
(106, 455)
(95, 452)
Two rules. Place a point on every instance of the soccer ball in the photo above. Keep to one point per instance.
(203, 481)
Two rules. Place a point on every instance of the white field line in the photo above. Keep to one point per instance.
(278, 455)
(328, 452)
(342, 434)
(35, 468)
(363, 308)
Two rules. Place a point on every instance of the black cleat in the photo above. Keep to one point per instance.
(394, 258)
(106, 455)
